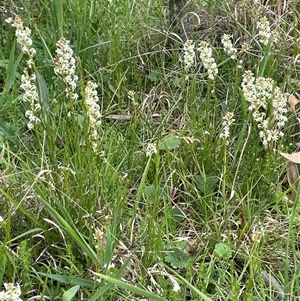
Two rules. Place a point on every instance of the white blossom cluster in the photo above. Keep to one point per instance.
(11, 293)
(151, 149)
(228, 46)
(207, 60)
(28, 78)
(65, 66)
(93, 112)
(99, 237)
(23, 35)
(228, 121)
(189, 54)
(265, 33)
(30, 96)
(264, 96)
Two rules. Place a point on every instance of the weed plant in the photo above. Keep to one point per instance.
(134, 166)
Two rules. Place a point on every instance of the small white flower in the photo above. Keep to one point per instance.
(12, 293)
(9, 20)
(93, 112)
(207, 60)
(228, 46)
(23, 35)
(265, 33)
(30, 96)
(257, 234)
(262, 96)
(228, 121)
(1, 219)
(3, 296)
(151, 149)
(109, 266)
(189, 54)
(65, 66)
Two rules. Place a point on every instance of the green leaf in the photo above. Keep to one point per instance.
(7, 131)
(190, 286)
(29, 232)
(43, 89)
(67, 223)
(101, 291)
(222, 251)
(69, 279)
(70, 293)
(80, 120)
(206, 183)
(177, 214)
(149, 190)
(177, 258)
(154, 75)
(169, 142)
(4, 63)
(130, 287)
(11, 71)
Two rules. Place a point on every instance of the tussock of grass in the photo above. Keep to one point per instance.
(174, 196)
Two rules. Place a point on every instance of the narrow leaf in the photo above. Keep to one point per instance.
(7, 131)
(70, 293)
(193, 288)
(130, 287)
(69, 279)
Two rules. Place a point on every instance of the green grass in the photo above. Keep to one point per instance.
(116, 224)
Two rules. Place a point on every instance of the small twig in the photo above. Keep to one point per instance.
(126, 117)
(274, 284)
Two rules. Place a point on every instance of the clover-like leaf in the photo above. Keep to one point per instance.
(222, 251)
(154, 75)
(169, 142)
(177, 258)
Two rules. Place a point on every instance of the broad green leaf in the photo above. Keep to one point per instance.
(177, 258)
(154, 75)
(206, 183)
(222, 250)
(7, 131)
(169, 143)
(177, 214)
(4, 63)
(149, 190)
(70, 293)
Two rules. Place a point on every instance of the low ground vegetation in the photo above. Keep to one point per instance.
(137, 165)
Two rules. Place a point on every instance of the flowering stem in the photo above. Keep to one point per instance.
(224, 171)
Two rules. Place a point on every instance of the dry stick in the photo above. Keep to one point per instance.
(274, 284)
(178, 18)
(126, 117)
